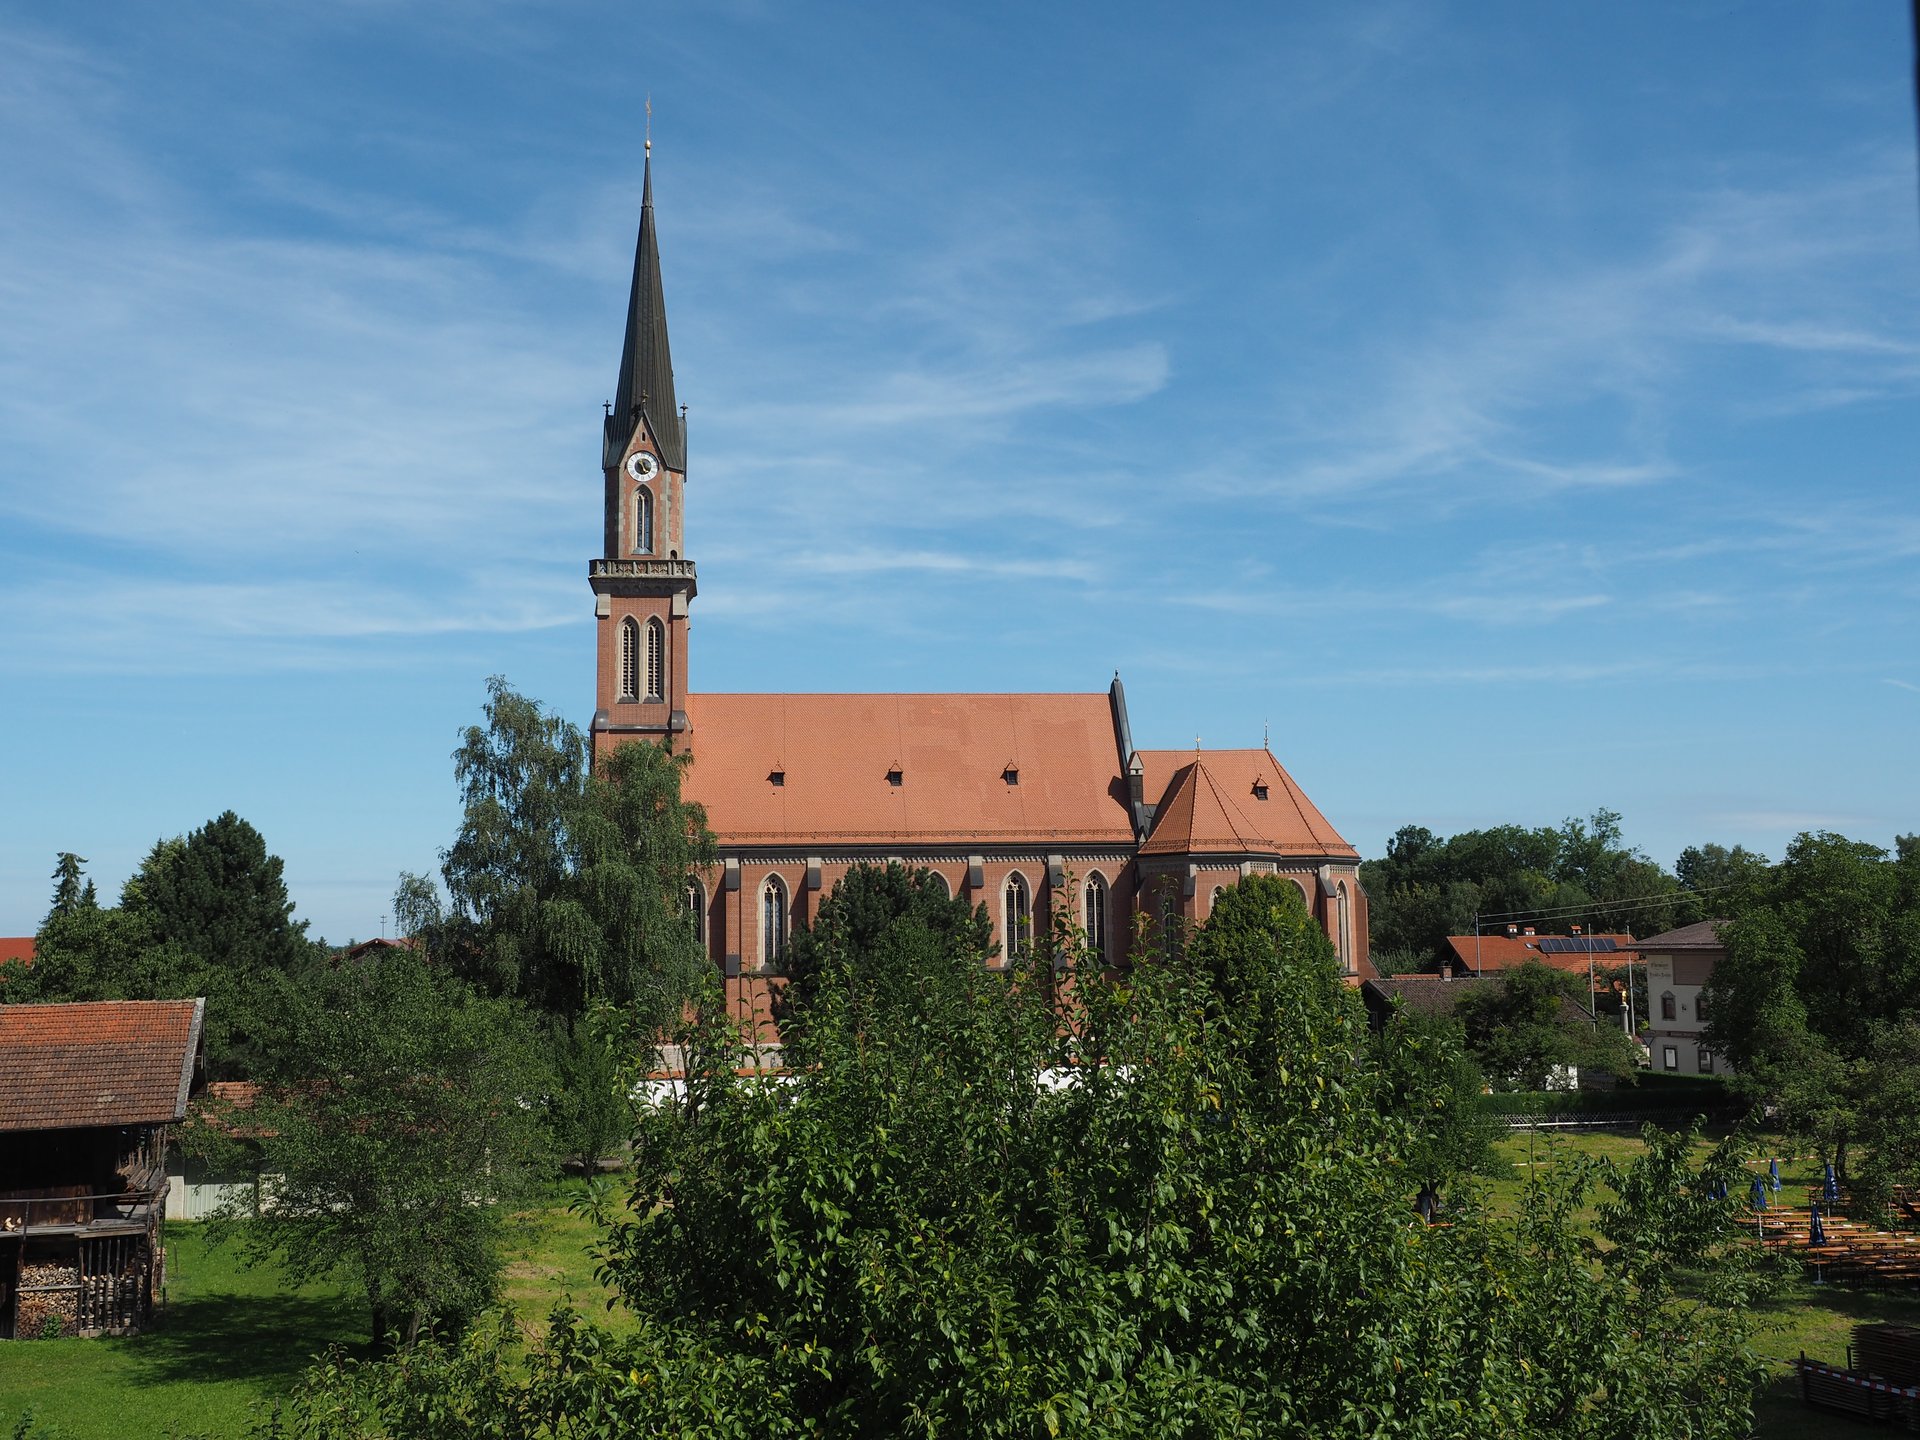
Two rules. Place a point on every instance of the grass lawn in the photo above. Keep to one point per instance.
(231, 1339)
(1815, 1319)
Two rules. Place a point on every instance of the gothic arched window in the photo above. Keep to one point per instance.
(1019, 916)
(643, 520)
(1093, 914)
(629, 659)
(939, 882)
(1345, 927)
(773, 923)
(656, 660)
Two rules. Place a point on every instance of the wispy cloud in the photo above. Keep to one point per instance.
(1476, 406)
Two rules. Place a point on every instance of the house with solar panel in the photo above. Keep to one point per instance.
(1576, 954)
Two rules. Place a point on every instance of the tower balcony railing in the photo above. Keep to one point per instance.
(641, 570)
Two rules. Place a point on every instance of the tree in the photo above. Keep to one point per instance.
(220, 895)
(205, 914)
(72, 891)
(1432, 1082)
(1819, 987)
(1427, 888)
(1523, 1029)
(590, 1109)
(876, 931)
(567, 887)
(1169, 1202)
(396, 1124)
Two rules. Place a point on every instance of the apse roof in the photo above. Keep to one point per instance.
(1284, 821)
(1197, 818)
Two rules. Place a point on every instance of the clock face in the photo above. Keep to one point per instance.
(642, 466)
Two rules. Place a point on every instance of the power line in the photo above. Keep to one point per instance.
(1592, 907)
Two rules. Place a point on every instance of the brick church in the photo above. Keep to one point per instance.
(1017, 802)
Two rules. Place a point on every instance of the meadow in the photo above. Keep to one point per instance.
(233, 1338)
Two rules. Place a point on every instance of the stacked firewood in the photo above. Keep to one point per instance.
(42, 1312)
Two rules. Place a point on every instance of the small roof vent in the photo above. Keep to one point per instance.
(895, 774)
(777, 775)
(1260, 787)
(1011, 774)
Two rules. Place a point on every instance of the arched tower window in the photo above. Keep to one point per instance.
(773, 923)
(643, 520)
(1213, 900)
(1019, 916)
(1093, 914)
(939, 882)
(629, 659)
(697, 909)
(1345, 927)
(656, 660)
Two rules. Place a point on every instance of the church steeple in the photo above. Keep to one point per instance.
(644, 389)
(643, 582)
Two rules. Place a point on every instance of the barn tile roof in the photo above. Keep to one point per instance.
(1286, 822)
(110, 1062)
(954, 754)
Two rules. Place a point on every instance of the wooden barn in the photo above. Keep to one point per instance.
(87, 1096)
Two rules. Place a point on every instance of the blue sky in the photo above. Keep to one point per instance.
(1511, 406)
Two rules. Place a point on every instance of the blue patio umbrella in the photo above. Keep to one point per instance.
(1816, 1232)
(1759, 1193)
(1831, 1191)
(1773, 1173)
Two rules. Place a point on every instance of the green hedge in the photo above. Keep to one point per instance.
(1664, 1097)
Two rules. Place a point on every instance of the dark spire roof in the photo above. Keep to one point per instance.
(645, 386)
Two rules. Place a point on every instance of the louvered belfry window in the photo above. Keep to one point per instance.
(656, 660)
(629, 659)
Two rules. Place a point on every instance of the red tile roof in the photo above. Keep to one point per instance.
(1197, 819)
(1506, 952)
(1286, 822)
(833, 753)
(110, 1062)
(16, 947)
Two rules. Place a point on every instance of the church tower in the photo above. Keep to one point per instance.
(642, 581)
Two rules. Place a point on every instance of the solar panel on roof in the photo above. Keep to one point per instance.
(1576, 945)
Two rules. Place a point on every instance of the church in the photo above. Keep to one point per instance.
(1022, 803)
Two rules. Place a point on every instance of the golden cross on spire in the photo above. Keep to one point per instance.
(649, 122)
